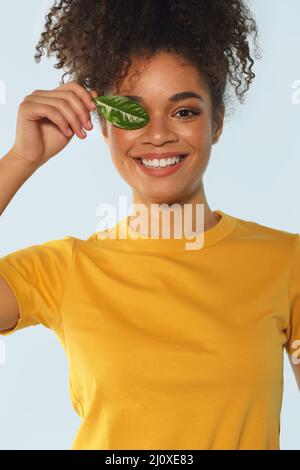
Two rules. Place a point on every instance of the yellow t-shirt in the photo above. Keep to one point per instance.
(168, 348)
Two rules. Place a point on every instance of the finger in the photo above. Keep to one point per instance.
(37, 111)
(94, 93)
(76, 103)
(81, 92)
(64, 107)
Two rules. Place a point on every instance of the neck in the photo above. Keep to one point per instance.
(160, 217)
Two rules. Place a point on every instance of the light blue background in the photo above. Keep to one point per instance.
(253, 174)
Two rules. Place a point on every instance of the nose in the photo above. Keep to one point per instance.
(158, 131)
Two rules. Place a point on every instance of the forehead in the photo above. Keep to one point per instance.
(165, 75)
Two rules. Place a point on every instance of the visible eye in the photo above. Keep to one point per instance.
(195, 113)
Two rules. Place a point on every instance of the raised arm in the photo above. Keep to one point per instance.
(47, 120)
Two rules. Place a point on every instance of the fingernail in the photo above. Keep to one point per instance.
(89, 125)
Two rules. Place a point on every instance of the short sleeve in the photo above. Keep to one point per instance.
(293, 330)
(38, 276)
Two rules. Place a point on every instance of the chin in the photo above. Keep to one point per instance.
(159, 198)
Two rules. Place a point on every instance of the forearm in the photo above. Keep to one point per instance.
(13, 174)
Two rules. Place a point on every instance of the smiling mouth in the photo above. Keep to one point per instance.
(158, 167)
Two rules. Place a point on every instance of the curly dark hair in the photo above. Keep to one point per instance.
(96, 40)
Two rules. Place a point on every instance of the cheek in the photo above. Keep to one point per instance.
(205, 138)
(120, 146)
(120, 139)
(118, 162)
(121, 162)
(198, 134)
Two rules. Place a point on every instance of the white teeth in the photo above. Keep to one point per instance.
(162, 162)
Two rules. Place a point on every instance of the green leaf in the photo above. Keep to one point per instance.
(121, 111)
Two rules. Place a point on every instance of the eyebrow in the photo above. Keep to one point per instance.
(177, 97)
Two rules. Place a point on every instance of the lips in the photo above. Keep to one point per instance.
(152, 156)
(160, 171)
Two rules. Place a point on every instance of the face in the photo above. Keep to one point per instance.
(183, 126)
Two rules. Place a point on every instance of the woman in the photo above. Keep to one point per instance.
(168, 347)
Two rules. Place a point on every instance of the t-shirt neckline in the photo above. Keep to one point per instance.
(209, 237)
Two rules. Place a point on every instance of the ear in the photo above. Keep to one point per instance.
(218, 124)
